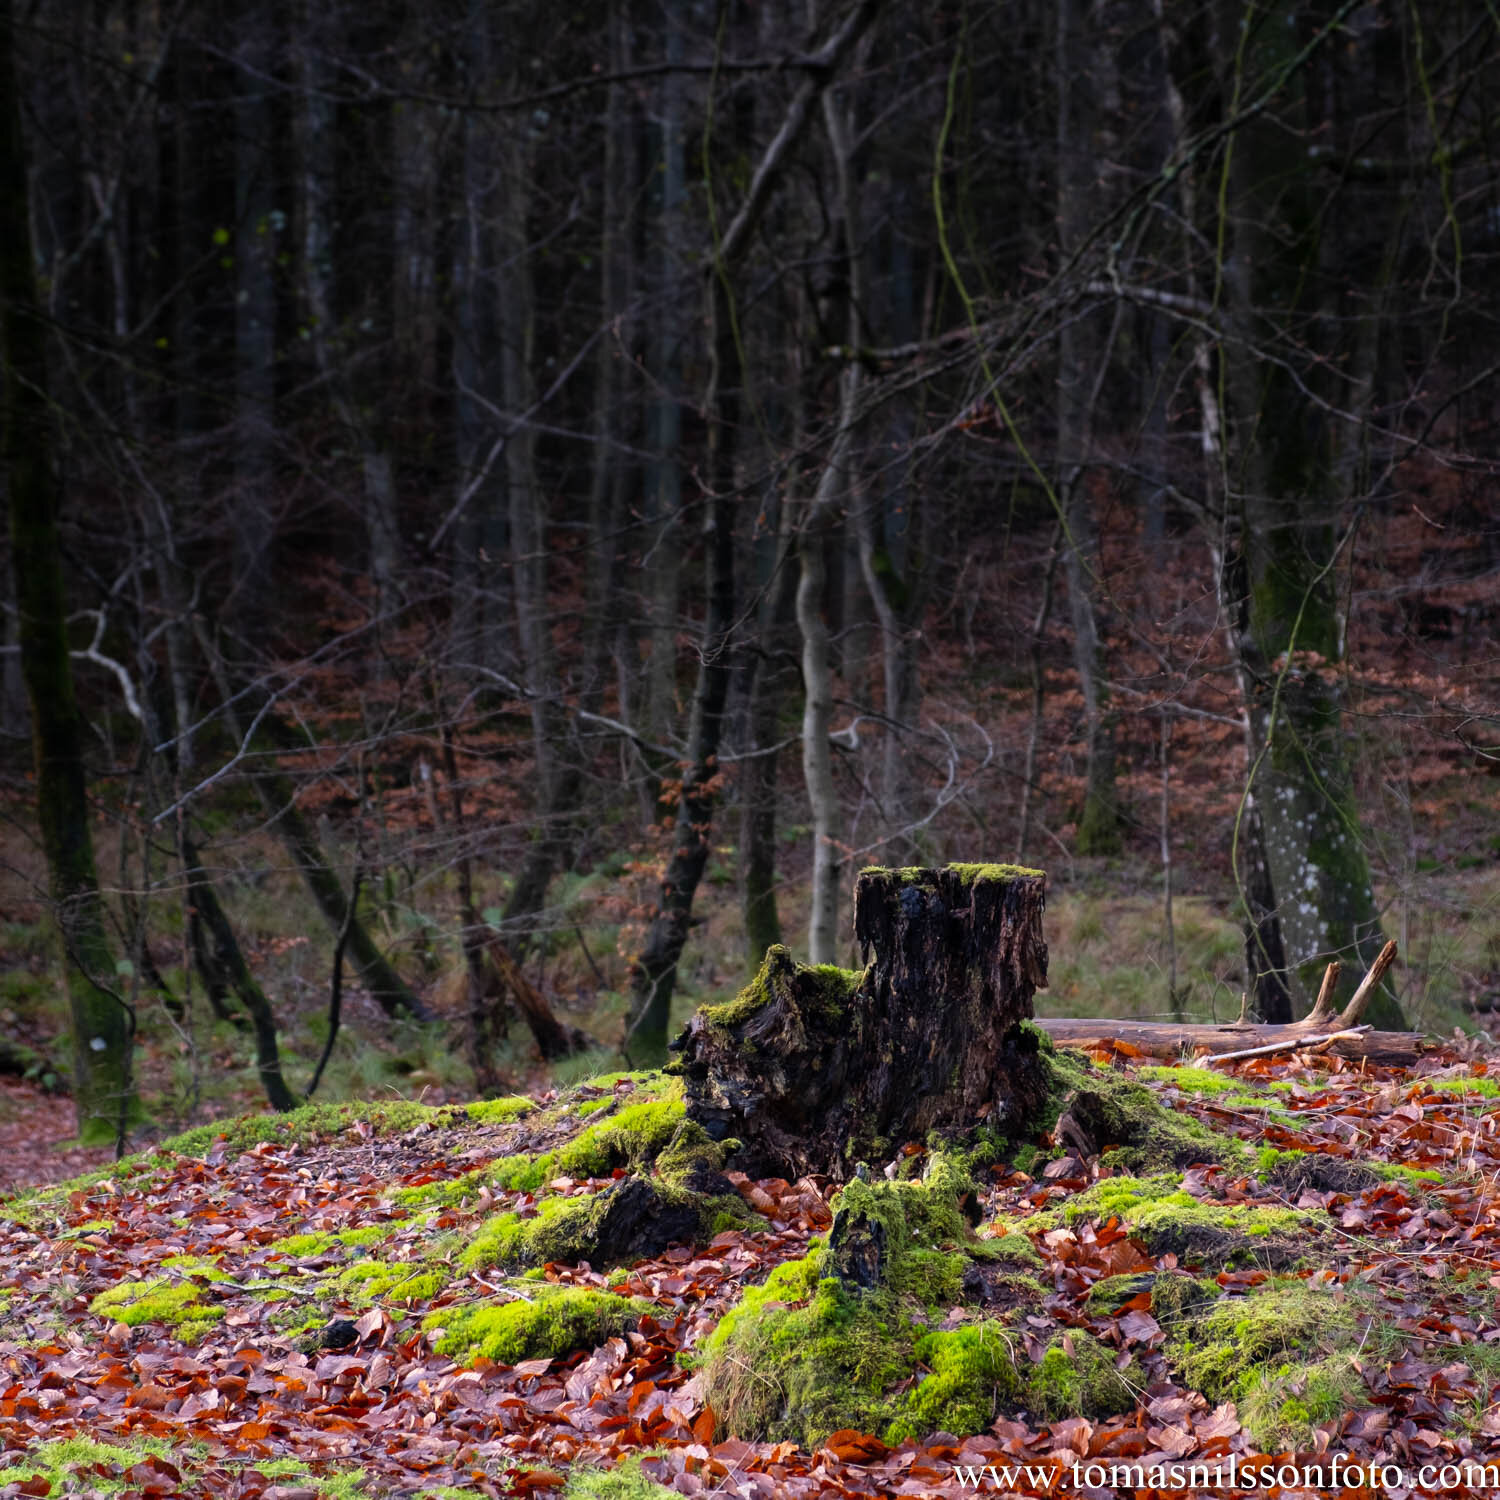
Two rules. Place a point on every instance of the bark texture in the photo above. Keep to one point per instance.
(814, 1067)
(102, 1028)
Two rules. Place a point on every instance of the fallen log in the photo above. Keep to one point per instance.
(1169, 1041)
(1323, 1029)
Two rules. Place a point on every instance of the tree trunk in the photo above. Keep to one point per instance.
(670, 281)
(814, 1068)
(252, 505)
(654, 973)
(278, 796)
(1078, 354)
(102, 1027)
(317, 143)
(225, 963)
(777, 582)
(832, 493)
(1290, 628)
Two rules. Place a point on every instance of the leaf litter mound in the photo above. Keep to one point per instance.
(262, 1319)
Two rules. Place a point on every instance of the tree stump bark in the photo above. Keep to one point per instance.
(815, 1068)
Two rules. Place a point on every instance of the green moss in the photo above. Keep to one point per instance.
(1027, 1159)
(91, 1226)
(923, 1228)
(1191, 1080)
(499, 1111)
(1175, 1299)
(624, 1483)
(500, 1240)
(1261, 1351)
(982, 1369)
(974, 1373)
(630, 1138)
(1114, 1291)
(342, 1483)
(325, 1242)
(1282, 1404)
(827, 986)
(690, 1154)
(159, 1300)
(802, 1357)
(1010, 1247)
(566, 1230)
(805, 1354)
(309, 1123)
(1144, 1134)
(551, 1321)
(196, 1265)
(1268, 1158)
(382, 1281)
(1077, 1377)
(1041, 1036)
(57, 1461)
(1485, 1087)
(304, 1246)
(968, 874)
(1165, 1218)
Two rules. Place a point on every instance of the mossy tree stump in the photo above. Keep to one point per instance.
(814, 1068)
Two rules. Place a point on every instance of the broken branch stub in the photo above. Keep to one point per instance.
(814, 1068)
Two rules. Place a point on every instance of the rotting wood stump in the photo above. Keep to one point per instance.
(813, 1068)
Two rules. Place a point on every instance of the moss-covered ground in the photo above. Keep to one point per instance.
(1267, 1243)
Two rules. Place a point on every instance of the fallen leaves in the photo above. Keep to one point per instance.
(384, 1403)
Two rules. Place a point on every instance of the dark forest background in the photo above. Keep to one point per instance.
(512, 504)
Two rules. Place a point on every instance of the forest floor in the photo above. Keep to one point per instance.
(257, 1311)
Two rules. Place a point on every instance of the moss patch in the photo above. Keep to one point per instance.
(57, 1461)
(309, 1123)
(380, 1281)
(1136, 1132)
(1486, 1088)
(1165, 1218)
(828, 1342)
(499, 1111)
(1202, 1081)
(825, 987)
(630, 1138)
(552, 1321)
(1282, 1353)
(624, 1483)
(159, 1300)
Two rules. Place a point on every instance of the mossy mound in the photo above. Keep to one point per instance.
(1097, 1111)
(837, 1338)
(688, 1201)
(369, 1281)
(629, 1219)
(1284, 1353)
(1166, 1219)
(825, 991)
(541, 1321)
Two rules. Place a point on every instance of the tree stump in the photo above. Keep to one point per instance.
(814, 1068)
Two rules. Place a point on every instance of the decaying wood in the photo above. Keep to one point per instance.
(1169, 1042)
(1322, 1028)
(1308, 1043)
(813, 1070)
